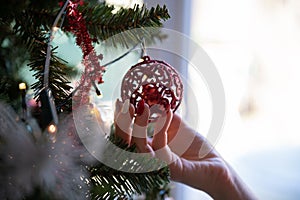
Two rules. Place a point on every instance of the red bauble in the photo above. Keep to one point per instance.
(155, 83)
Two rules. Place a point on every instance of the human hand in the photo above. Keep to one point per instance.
(191, 159)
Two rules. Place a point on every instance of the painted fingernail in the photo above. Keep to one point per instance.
(140, 107)
(125, 107)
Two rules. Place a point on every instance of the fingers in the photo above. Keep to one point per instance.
(139, 131)
(160, 138)
(118, 107)
(137, 135)
(123, 120)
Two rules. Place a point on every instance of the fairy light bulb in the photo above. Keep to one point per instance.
(52, 129)
(22, 86)
(55, 28)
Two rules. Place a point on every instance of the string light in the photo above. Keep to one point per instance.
(52, 129)
(55, 29)
(98, 92)
(48, 107)
(48, 55)
(22, 86)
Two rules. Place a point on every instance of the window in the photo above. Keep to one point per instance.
(254, 45)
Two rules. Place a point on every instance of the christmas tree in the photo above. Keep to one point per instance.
(37, 161)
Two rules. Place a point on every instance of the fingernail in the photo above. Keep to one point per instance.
(125, 107)
(117, 103)
(140, 107)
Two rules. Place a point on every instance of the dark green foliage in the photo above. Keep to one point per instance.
(24, 34)
(102, 23)
(120, 184)
(31, 25)
(9, 91)
(10, 64)
(23, 28)
(113, 184)
(58, 83)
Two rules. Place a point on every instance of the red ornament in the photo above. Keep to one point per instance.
(155, 83)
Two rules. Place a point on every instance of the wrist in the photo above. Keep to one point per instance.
(230, 186)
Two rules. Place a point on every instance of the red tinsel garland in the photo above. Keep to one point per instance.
(93, 70)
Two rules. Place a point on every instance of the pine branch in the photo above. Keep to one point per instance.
(119, 183)
(102, 23)
(59, 84)
(31, 26)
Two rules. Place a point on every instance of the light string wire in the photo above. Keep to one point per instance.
(48, 55)
(143, 46)
(105, 65)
